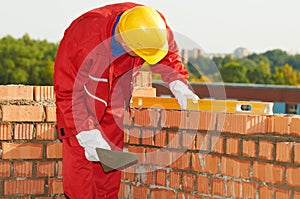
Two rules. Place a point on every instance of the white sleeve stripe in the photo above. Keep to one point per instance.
(93, 96)
(98, 79)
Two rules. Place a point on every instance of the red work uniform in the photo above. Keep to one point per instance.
(92, 88)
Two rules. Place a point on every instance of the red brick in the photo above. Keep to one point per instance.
(218, 187)
(50, 113)
(134, 136)
(203, 184)
(249, 148)
(293, 176)
(180, 160)
(140, 152)
(16, 92)
(147, 137)
(59, 168)
(297, 153)
(297, 195)
(237, 189)
(234, 189)
(161, 176)
(232, 146)
(22, 150)
(160, 138)
(127, 118)
(217, 144)
(22, 113)
(267, 172)
(4, 169)
(22, 169)
(174, 119)
(54, 150)
(126, 135)
(282, 124)
(45, 131)
(249, 190)
(146, 175)
(174, 140)
(266, 192)
(295, 126)
(5, 131)
(55, 186)
(233, 123)
(124, 190)
(188, 140)
(235, 168)
(282, 193)
(256, 124)
(175, 179)
(284, 151)
(140, 192)
(205, 163)
(266, 150)
(202, 142)
(158, 157)
(146, 118)
(45, 168)
(201, 120)
(182, 195)
(129, 174)
(44, 93)
(23, 131)
(162, 193)
(144, 92)
(188, 181)
(18, 187)
(143, 79)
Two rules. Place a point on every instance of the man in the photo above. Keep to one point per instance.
(99, 54)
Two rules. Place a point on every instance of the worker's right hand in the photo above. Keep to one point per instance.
(90, 140)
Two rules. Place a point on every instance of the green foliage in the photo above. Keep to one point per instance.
(26, 61)
(272, 67)
(234, 72)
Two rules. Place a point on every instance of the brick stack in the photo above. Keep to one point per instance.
(190, 154)
(182, 154)
(30, 163)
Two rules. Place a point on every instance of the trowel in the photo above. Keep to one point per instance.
(115, 160)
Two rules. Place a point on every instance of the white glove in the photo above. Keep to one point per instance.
(182, 93)
(90, 140)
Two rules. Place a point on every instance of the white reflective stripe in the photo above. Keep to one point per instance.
(93, 96)
(98, 79)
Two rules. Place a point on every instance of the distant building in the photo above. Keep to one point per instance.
(195, 53)
(240, 52)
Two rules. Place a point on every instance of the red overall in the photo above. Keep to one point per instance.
(92, 88)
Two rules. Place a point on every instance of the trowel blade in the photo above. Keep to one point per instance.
(114, 160)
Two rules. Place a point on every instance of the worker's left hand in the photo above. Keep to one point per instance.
(182, 92)
(90, 140)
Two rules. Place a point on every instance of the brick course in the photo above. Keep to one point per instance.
(182, 154)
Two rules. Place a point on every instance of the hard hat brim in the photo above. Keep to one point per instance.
(153, 58)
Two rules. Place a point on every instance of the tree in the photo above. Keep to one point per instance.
(285, 75)
(234, 72)
(26, 61)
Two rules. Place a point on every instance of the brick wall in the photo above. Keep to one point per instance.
(182, 154)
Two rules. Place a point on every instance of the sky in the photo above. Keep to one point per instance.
(216, 26)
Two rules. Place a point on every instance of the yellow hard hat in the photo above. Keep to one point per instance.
(144, 32)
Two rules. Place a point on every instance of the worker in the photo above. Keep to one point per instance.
(97, 58)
